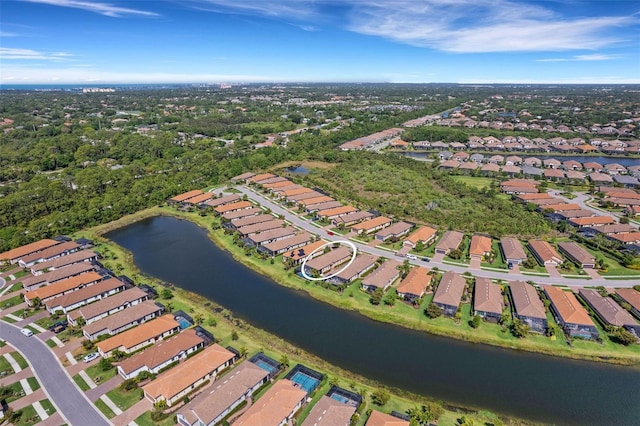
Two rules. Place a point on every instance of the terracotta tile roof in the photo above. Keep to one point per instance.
(396, 229)
(306, 250)
(278, 233)
(594, 220)
(371, 223)
(51, 251)
(290, 187)
(260, 227)
(186, 195)
(279, 184)
(301, 238)
(450, 289)
(381, 419)
(424, 233)
(214, 401)
(199, 198)
(105, 305)
(182, 376)
(627, 237)
(359, 264)
(480, 245)
(535, 196)
(315, 200)
(239, 214)
(561, 207)
(545, 251)
(329, 412)
(122, 318)
(297, 191)
(27, 249)
(243, 176)
(63, 286)
(339, 254)
(353, 217)
(337, 211)
(85, 293)
(274, 406)
(577, 253)
(57, 275)
(252, 220)
(137, 335)
(277, 179)
(62, 261)
(324, 206)
(567, 306)
(487, 296)
(630, 296)
(526, 301)
(162, 352)
(304, 196)
(415, 282)
(233, 206)
(227, 199)
(260, 177)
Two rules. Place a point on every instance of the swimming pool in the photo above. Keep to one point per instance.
(183, 323)
(340, 398)
(265, 366)
(307, 383)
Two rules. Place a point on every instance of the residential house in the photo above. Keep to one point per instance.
(544, 253)
(626, 181)
(394, 232)
(139, 337)
(199, 200)
(157, 357)
(248, 230)
(227, 199)
(14, 255)
(424, 234)
(553, 174)
(527, 306)
(378, 418)
(450, 241)
(632, 297)
(326, 262)
(382, 277)
(220, 399)
(359, 267)
(182, 379)
(551, 163)
(259, 178)
(286, 245)
(570, 314)
(590, 222)
(371, 225)
(84, 296)
(480, 247)
(449, 164)
(123, 320)
(48, 254)
(270, 236)
(615, 168)
(626, 238)
(31, 282)
(181, 198)
(609, 312)
(312, 208)
(490, 168)
(577, 254)
(243, 177)
(449, 293)
(108, 306)
(251, 220)
(332, 213)
(64, 261)
(512, 251)
(315, 200)
(276, 407)
(513, 160)
(592, 166)
(600, 178)
(330, 411)
(233, 207)
(487, 299)
(351, 218)
(311, 250)
(415, 284)
(62, 287)
(241, 214)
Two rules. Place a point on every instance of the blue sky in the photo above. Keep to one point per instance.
(208, 41)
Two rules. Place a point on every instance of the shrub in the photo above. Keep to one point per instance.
(475, 321)
(433, 311)
(128, 385)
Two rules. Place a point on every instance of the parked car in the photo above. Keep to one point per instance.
(412, 257)
(329, 233)
(59, 328)
(58, 324)
(426, 259)
(91, 357)
(26, 332)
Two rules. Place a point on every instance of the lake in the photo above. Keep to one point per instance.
(527, 385)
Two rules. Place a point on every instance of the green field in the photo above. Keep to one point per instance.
(474, 181)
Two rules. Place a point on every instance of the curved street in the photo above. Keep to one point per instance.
(70, 402)
(304, 224)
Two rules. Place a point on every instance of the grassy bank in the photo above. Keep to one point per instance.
(233, 331)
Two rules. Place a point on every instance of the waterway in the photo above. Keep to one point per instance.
(532, 386)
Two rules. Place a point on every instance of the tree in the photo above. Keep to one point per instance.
(504, 318)
(243, 351)
(128, 385)
(426, 414)
(81, 322)
(475, 321)
(391, 297)
(234, 335)
(376, 296)
(380, 397)
(284, 361)
(166, 293)
(433, 310)
(36, 302)
(519, 329)
(105, 365)
(199, 319)
(623, 336)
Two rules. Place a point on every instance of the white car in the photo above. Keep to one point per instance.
(91, 357)
(26, 332)
(412, 257)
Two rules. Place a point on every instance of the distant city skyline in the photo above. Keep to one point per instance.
(396, 41)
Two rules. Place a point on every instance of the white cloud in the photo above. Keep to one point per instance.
(459, 26)
(8, 34)
(10, 53)
(96, 7)
(582, 58)
(79, 75)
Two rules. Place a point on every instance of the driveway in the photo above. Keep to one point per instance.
(63, 393)
(552, 270)
(436, 261)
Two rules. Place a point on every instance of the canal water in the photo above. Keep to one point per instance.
(531, 386)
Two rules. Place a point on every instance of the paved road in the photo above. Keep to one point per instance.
(304, 224)
(70, 402)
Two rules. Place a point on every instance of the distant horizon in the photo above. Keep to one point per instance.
(271, 41)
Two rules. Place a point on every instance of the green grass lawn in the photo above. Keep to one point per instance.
(474, 181)
(124, 399)
(16, 392)
(26, 312)
(9, 320)
(104, 409)
(5, 366)
(498, 260)
(145, 420)
(95, 371)
(21, 274)
(615, 268)
(15, 287)
(47, 322)
(48, 406)
(33, 383)
(12, 301)
(81, 383)
(29, 417)
(19, 359)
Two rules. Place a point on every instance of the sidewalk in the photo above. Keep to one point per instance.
(133, 412)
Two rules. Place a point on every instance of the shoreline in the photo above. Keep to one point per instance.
(262, 268)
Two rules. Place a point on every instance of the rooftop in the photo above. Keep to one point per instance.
(526, 300)
(415, 282)
(567, 306)
(381, 276)
(607, 308)
(487, 296)
(109, 303)
(274, 406)
(137, 335)
(450, 289)
(63, 286)
(122, 318)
